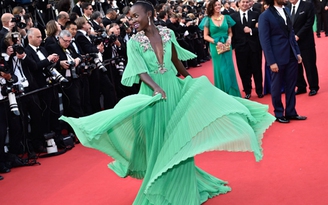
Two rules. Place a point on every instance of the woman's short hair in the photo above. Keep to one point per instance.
(51, 28)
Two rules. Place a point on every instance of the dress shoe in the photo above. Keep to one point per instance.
(297, 117)
(260, 96)
(313, 92)
(3, 168)
(247, 96)
(1, 177)
(318, 36)
(282, 120)
(300, 91)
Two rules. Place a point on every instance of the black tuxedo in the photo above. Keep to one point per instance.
(48, 97)
(248, 51)
(257, 7)
(77, 9)
(85, 44)
(228, 11)
(303, 21)
(106, 21)
(99, 82)
(50, 40)
(38, 71)
(74, 96)
(95, 26)
(3, 33)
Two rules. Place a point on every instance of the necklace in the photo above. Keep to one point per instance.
(218, 18)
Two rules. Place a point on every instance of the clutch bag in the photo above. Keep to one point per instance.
(225, 48)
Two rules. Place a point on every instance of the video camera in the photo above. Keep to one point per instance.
(103, 37)
(18, 20)
(85, 67)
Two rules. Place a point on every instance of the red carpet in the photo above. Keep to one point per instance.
(293, 171)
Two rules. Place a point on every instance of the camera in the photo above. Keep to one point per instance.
(85, 67)
(52, 73)
(16, 47)
(102, 37)
(119, 64)
(17, 19)
(11, 90)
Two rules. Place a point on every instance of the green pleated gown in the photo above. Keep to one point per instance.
(156, 139)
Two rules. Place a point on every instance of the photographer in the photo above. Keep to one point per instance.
(6, 76)
(45, 76)
(96, 21)
(7, 26)
(29, 105)
(99, 81)
(68, 65)
(117, 56)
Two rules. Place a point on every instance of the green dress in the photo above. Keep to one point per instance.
(224, 71)
(156, 139)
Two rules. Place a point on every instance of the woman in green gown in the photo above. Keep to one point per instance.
(217, 31)
(155, 134)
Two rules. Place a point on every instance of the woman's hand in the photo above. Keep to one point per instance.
(159, 90)
(228, 42)
(220, 45)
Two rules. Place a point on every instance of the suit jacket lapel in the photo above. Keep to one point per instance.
(279, 19)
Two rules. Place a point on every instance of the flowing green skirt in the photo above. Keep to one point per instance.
(155, 139)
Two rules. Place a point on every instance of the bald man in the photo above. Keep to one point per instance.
(7, 26)
(62, 18)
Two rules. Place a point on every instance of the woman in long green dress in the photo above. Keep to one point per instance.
(155, 134)
(217, 31)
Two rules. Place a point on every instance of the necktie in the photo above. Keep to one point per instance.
(244, 19)
(293, 14)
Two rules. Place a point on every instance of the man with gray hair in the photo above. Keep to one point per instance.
(96, 21)
(68, 64)
(62, 19)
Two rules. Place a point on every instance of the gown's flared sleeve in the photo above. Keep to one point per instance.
(204, 23)
(135, 66)
(183, 54)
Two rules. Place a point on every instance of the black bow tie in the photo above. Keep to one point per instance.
(37, 49)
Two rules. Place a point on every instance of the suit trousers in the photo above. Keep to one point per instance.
(287, 75)
(311, 71)
(250, 64)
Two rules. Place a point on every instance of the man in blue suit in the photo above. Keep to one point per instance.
(282, 54)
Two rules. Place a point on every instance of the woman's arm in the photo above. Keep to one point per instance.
(228, 41)
(207, 36)
(177, 63)
(151, 83)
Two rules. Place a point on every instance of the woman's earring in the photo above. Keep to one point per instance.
(149, 23)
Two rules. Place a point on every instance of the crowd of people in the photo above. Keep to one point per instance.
(76, 55)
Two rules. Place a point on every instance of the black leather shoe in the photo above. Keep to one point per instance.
(260, 96)
(299, 91)
(1, 178)
(297, 117)
(313, 92)
(4, 169)
(247, 96)
(282, 120)
(318, 36)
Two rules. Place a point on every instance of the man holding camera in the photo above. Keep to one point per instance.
(68, 65)
(99, 81)
(7, 25)
(29, 104)
(42, 74)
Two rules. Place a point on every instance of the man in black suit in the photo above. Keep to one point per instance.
(49, 97)
(302, 16)
(62, 19)
(322, 18)
(99, 81)
(255, 6)
(247, 47)
(29, 105)
(67, 65)
(7, 26)
(96, 21)
(227, 10)
(78, 8)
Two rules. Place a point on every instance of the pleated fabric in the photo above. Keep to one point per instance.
(156, 139)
